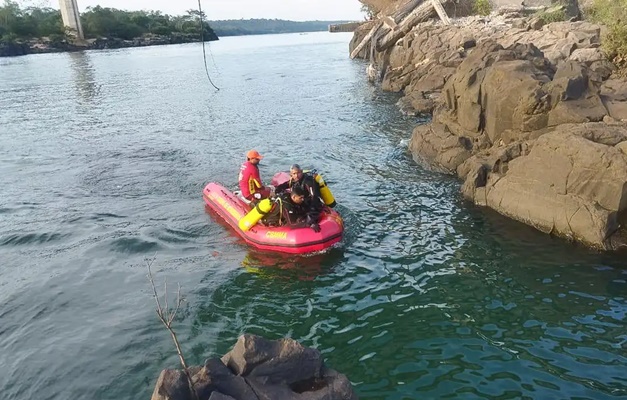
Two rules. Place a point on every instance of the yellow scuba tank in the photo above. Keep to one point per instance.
(325, 192)
(254, 215)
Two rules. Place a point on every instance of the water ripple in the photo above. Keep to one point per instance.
(425, 297)
(19, 239)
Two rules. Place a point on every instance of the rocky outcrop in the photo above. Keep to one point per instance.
(528, 140)
(614, 98)
(526, 113)
(499, 96)
(259, 369)
(420, 63)
(572, 6)
(571, 181)
(13, 49)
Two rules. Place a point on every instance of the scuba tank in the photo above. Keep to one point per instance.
(325, 192)
(254, 215)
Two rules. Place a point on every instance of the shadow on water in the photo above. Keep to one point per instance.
(285, 266)
(280, 265)
(499, 236)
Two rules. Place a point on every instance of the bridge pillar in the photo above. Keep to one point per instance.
(71, 17)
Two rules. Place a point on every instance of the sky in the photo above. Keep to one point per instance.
(296, 10)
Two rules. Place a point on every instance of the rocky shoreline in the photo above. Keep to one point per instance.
(527, 114)
(45, 45)
(258, 369)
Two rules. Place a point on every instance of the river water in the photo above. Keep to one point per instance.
(103, 156)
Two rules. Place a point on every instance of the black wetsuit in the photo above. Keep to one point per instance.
(313, 202)
(285, 212)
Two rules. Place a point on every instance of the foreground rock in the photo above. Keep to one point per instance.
(259, 369)
(525, 113)
(571, 182)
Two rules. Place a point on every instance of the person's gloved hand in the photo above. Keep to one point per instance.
(315, 227)
(257, 195)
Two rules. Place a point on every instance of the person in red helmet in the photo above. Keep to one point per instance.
(249, 179)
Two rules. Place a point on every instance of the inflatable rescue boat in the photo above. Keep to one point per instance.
(244, 220)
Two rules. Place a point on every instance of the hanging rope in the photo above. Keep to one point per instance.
(202, 39)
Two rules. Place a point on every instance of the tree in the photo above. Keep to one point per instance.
(195, 14)
(47, 21)
(370, 12)
(33, 22)
(9, 13)
(30, 22)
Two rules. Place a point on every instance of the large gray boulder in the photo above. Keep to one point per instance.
(570, 182)
(259, 369)
(524, 112)
(172, 385)
(434, 146)
(283, 361)
(527, 139)
(614, 97)
(423, 60)
(503, 95)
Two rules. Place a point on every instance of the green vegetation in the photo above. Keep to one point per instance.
(613, 14)
(236, 27)
(17, 23)
(21, 24)
(370, 12)
(110, 22)
(482, 7)
(552, 15)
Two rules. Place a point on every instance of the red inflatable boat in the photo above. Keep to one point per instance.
(232, 208)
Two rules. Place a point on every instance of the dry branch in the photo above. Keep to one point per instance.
(166, 316)
(419, 14)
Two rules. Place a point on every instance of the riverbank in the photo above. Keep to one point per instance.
(262, 26)
(528, 114)
(46, 45)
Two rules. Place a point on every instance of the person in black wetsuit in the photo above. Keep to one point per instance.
(308, 183)
(290, 209)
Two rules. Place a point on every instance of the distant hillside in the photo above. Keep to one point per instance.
(237, 27)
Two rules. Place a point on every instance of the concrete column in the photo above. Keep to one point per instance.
(71, 18)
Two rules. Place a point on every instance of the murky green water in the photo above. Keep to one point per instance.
(103, 156)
